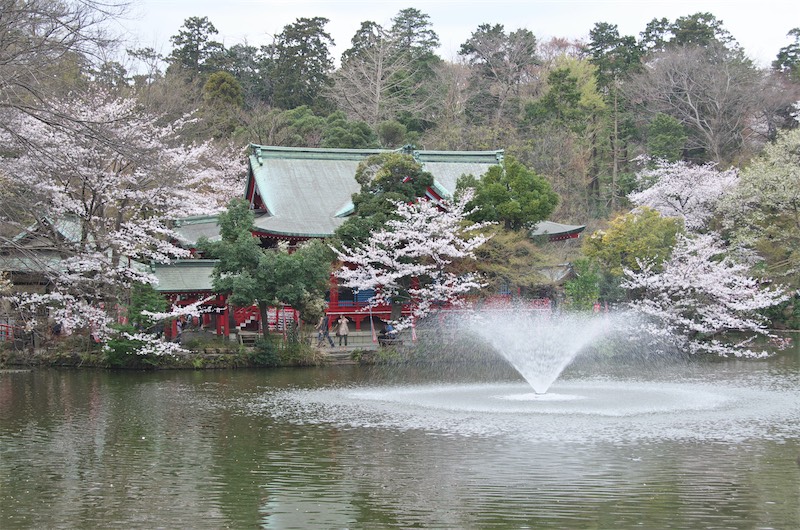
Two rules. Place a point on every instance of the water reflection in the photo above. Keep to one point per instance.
(246, 449)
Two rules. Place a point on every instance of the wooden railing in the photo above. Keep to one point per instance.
(6, 332)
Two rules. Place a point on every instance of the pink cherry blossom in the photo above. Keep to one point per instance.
(409, 258)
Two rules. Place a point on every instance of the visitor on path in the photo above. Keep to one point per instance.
(323, 332)
(342, 330)
(179, 329)
(387, 336)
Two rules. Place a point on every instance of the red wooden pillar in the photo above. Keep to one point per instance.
(226, 327)
(172, 331)
(334, 292)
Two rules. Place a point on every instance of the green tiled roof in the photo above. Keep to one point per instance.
(191, 229)
(38, 263)
(185, 276)
(67, 227)
(307, 191)
(303, 195)
(549, 228)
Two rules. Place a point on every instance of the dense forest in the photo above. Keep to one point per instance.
(616, 125)
(579, 113)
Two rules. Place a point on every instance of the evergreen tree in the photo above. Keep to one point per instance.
(251, 274)
(302, 64)
(510, 194)
(788, 58)
(666, 138)
(194, 49)
(385, 179)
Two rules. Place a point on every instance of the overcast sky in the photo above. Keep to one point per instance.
(759, 26)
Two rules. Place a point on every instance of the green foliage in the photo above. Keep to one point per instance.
(639, 235)
(666, 138)
(265, 352)
(785, 315)
(698, 29)
(788, 58)
(511, 259)
(384, 178)
(222, 90)
(510, 194)
(144, 297)
(340, 133)
(614, 56)
(583, 290)
(301, 127)
(223, 100)
(112, 76)
(299, 353)
(250, 66)
(121, 352)
(271, 352)
(193, 48)
(571, 97)
(560, 103)
(251, 274)
(413, 30)
(762, 212)
(302, 64)
(391, 133)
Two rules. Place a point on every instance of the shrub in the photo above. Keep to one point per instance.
(265, 352)
(122, 352)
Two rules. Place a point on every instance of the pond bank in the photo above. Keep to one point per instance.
(234, 356)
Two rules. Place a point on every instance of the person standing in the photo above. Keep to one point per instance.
(179, 328)
(322, 331)
(342, 330)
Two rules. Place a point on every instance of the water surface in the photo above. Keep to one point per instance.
(697, 445)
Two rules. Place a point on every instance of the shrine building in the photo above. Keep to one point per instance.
(299, 194)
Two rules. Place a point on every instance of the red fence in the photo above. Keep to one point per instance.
(7, 332)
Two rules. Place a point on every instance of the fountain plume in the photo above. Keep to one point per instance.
(538, 344)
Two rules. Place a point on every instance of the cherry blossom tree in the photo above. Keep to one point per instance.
(698, 296)
(42, 43)
(102, 198)
(414, 258)
(688, 191)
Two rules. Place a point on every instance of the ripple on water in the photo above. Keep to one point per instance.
(572, 411)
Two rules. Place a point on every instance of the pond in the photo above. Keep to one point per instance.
(694, 444)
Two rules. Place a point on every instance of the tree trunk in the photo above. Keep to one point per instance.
(264, 324)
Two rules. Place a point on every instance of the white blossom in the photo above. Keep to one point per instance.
(104, 193)
(176, 311)
(151, 345)
(411, 257)
(700, 295)
(684, 190)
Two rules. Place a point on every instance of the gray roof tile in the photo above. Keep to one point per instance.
(306, 191)
(185, 276)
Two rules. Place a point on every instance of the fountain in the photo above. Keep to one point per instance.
(538, 344)
(667, 397)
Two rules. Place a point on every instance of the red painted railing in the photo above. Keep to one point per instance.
(277, 317)
(6, 332)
